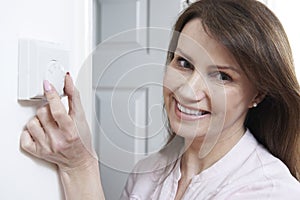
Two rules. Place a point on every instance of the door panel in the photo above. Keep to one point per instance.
(128, 117)
(122, 134)
(128, 71)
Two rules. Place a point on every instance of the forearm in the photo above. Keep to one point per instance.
(82, 183)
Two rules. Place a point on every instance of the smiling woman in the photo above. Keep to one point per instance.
(231, 94)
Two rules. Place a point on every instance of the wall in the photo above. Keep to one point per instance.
(61, 21)
(288, 13)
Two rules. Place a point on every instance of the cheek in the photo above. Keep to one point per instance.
(218, 97)
(233, 109)
(240, 98)
(224, 99)
(173, 79)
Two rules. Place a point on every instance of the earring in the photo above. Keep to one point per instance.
(254, 105)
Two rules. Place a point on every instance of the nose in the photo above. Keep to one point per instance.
(194, 89)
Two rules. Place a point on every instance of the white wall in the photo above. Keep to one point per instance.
(288, 13)
(61, 21)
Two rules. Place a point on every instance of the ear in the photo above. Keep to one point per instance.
(257, 99)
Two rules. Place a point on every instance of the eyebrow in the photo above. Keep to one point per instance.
(184, 55)
(226, 68)
(212, 66)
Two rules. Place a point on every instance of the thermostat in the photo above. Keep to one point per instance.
(38, 61)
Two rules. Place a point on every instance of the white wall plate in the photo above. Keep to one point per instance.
(38, 61)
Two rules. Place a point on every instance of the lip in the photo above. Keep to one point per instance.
(184, 116)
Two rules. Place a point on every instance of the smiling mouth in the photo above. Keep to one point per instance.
(192, 112)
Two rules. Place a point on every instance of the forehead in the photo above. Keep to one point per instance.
(196, 43)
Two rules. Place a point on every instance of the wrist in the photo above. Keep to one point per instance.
(79, 167)
(82, 182)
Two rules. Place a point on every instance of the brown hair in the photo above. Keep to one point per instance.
(257, 40)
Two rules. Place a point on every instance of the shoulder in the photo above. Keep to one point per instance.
(269, 180)
(264, 190)
(156, 163)
(262, 176)
(140, 180)
(276, 180)
(146, 176)
(259, 164)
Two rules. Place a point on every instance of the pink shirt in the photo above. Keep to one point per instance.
(247, 171)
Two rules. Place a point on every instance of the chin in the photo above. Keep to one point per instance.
(188, 130)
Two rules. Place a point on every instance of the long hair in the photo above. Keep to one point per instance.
(258, 42)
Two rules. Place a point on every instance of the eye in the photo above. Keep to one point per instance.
(181, 62)
(222, 76)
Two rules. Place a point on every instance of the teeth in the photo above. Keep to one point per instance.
(188, 111)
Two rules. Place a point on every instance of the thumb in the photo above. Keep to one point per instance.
(73, 96)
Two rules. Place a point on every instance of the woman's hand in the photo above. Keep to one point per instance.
(64, 138)
(58, 136)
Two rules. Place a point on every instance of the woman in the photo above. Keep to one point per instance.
(233, 104)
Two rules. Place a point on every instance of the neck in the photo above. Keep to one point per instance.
(201, 154)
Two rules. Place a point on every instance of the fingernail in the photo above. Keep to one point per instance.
(47, 86)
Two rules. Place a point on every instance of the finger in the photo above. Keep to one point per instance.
(57, 109)
(46, 119)
(35, 130)
(70, 90)
(27, 143)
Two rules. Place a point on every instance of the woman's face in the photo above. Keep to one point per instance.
(205, 91)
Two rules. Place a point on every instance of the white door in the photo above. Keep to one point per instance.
(128, 69)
